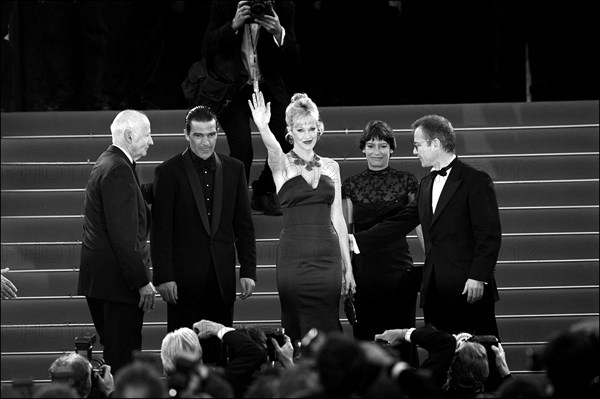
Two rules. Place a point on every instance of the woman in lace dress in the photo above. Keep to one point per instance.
(387, 279)
(313, 259)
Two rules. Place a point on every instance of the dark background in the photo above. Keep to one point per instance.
(352, 52)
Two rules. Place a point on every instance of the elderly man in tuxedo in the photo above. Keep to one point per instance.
(114, 271)
(458, 211)
(201, 218)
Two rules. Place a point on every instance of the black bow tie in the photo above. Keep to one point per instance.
(444, 170)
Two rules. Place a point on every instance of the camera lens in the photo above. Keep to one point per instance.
(258, 10)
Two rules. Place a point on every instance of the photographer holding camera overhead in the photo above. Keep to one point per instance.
(247, 46)
(462, 365)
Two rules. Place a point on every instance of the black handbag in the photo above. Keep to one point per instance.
(201, 86)
(349, 308)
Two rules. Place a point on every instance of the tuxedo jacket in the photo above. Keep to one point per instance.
(114, 262)
(462, 238)
(184, 242)
(222, 47)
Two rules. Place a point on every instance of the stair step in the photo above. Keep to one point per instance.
(32, 256)
(56, 202)
(64, 282)
(332, 144)
(542, 274)
(60, 175)
(335, 118)
(557, 193)
(548, 300)
(69, 228)
(35, 365)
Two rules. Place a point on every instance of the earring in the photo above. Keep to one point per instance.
(289, 138)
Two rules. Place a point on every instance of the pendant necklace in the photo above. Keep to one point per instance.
(308, 165)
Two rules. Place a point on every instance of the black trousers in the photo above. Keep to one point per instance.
(208, 305)
(456, 315)
(235, 121)
(119, 326)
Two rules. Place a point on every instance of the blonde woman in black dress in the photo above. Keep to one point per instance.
(313, 260)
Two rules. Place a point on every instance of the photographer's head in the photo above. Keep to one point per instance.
(469, 368)
(140, 380)
(182, 342)
(74, 370)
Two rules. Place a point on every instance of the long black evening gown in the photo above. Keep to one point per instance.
(309, 263)
(386, 280)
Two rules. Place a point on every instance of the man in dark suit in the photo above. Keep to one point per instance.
(114, 271)
(201, 216)
(245, 51)
(458, 211)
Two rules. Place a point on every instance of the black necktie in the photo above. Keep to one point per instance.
(444, 170)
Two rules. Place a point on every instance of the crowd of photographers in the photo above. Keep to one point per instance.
(264, 362)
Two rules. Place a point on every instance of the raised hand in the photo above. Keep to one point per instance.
(272, 25)
(261, 113)
(241, 15)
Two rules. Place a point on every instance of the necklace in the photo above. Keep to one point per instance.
(308, 165)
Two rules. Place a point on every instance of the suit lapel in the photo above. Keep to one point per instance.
(448, 191)
(196, 188)
(425, 212)
(218, 195)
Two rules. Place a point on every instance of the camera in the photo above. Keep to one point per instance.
(279, 335)
(259, 8)
(83, 347)
(485, 340)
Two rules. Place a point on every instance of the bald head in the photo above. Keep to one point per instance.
(131, 130)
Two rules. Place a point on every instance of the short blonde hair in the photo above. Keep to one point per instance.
(182, 342)
(302, 106)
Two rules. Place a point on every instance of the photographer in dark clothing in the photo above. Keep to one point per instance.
(458, 363)
(246, 53)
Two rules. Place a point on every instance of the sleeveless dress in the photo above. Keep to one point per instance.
(309, 263)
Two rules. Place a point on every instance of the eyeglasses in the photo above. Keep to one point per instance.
(417, 144)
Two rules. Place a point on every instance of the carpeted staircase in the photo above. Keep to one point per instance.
(543, 158)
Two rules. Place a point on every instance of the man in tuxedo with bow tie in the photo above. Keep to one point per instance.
(201, 218)
(458, 211)
(114, 270)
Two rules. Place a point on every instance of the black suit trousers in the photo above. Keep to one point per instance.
(119, 326)
(478, 318)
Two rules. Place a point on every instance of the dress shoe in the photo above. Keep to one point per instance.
(268, 203)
